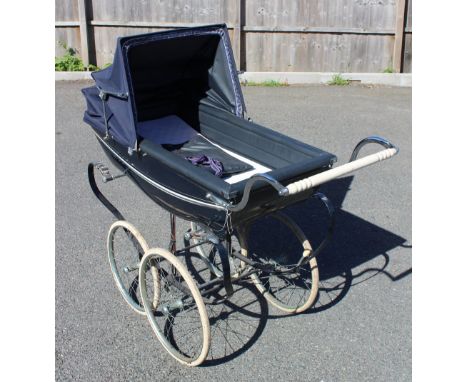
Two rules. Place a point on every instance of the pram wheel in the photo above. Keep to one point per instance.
(291, 292)
(125, 248)
(179, 320)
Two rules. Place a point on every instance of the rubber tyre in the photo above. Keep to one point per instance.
(271, 298)
(150, 257)
(111, 256)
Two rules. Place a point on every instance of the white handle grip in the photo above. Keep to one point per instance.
(326, 176)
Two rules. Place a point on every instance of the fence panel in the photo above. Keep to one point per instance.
(267, 35)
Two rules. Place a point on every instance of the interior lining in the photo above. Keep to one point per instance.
(166, 130)
(174, 78)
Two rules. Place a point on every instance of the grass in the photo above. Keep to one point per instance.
(338, 80)
(388, 70)
(269, 83)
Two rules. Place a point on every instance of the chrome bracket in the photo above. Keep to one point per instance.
(282, 191)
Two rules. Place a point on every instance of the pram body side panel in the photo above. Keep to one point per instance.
(263, 201)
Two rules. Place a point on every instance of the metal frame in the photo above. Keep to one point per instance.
(225, 279)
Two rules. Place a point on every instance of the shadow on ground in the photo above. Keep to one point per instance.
(239, 322)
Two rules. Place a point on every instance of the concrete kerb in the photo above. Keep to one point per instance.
(296, 78)
(292, 78)
(72, 76)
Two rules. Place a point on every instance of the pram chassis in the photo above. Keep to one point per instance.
(226, 264)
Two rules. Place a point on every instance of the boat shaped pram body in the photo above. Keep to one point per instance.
(170, 115)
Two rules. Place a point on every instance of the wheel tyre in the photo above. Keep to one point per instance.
(150, 257)
(131, 230)
(312, 263)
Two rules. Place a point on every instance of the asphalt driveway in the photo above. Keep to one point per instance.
(360, 327)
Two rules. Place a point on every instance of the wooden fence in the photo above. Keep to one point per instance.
(267, 35)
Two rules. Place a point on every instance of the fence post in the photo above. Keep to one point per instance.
(83, 32)
(238, 34)
(399, 35)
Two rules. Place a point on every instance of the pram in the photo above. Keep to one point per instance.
(170, 115)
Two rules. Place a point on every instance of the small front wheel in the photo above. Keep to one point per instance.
(179, 319)
(125, 248)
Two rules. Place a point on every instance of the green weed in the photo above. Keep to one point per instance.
(70, 62)
(338, 80)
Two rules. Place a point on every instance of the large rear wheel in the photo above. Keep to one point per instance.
(294, 291)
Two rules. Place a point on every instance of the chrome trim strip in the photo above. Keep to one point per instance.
(161, 187)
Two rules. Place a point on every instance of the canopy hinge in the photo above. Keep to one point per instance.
(104, 96)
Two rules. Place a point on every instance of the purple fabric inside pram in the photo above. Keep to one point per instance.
(214, 165)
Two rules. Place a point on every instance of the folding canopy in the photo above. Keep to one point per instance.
(152, 77)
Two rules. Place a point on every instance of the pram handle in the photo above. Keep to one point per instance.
(353, 165)
(323, 177)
